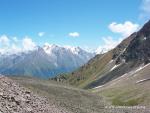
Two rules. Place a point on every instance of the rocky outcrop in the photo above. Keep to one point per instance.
(17, 99)
(139, 48)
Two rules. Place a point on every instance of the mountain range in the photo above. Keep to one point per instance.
(43, 62)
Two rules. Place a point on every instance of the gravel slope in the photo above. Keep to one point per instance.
(17, 99)
(41, 96)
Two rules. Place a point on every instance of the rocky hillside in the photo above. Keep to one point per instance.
(139, 48)
(137, 53)
(17, 99)
(130, 54)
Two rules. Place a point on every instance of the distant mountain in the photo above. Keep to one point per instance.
(44, 62)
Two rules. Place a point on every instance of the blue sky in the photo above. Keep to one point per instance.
(84, 23)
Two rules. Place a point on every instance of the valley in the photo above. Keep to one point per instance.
(75, 56)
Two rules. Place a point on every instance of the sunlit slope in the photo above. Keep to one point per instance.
(130, 89)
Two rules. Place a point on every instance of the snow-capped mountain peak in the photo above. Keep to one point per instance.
(74, 50)
(50, 48)
(44, 61)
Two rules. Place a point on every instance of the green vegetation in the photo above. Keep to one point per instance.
(125, 95)
(130, 102)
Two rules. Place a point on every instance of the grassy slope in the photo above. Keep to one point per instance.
(73, 99)
(125, 90)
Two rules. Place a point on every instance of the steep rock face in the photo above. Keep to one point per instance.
(139, 48)
(123, 45)
(17, 99)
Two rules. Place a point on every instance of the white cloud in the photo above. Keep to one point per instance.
(109, 43)
(28, 44)
(125, 29)
(2, 50)
(40, 34)
(74, 34)
(15, 48)
(4, 40)
(13, 45)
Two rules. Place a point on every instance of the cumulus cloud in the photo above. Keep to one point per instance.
(28, 44)
(125, 29)
(4, 40)
(13, 45)
(145, 9)
(74, 34)
(40, 34)
(109, 43)
(15, 48)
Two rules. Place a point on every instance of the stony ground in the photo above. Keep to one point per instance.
(17, 99)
